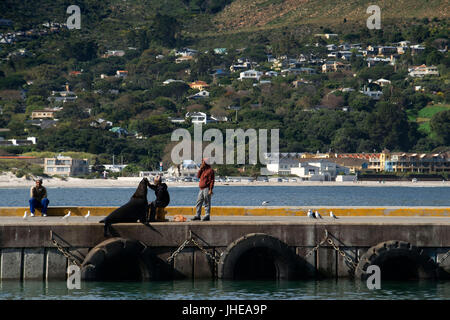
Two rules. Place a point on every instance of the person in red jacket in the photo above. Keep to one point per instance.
(206, 184)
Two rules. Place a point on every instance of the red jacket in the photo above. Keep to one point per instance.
(206, 176)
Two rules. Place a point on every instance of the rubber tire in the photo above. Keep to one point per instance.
(288, 264)
(108, 249)
(376, 253)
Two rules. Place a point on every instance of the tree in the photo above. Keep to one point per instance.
(81, 49)
(359, 101)
(390, 128)
(72, 111)
(154, 125)
(165, 30)
(11, 82)
(440, 125)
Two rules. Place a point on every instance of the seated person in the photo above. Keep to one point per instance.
(162, 197)
(38, 199)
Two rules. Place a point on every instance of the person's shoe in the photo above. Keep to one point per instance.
(31, 214)
(44, 214)
(206, 218)
(195, 218)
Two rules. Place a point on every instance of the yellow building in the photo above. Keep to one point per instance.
(43, 114)
(411, 162)
(200, 85)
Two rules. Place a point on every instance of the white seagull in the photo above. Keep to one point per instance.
(318, 215)
(332, 215)
(66, 216)
(87, 216)
(311, 214)
(25, 215)
(265, 203)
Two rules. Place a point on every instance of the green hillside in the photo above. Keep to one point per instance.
(125, 81)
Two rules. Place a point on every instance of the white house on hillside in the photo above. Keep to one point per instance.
(250, 74)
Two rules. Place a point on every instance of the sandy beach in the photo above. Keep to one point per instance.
(11, 181)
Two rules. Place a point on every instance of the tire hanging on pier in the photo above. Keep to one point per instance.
(116, 259)
(258, 256)
(398, 260)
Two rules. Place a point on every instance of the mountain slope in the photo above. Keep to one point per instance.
(261, 14)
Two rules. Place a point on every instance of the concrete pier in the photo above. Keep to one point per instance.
(27, 252)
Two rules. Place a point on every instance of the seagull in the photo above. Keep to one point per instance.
(66, 216)
(317, 214)
(265, 203)
(311, 214)
(25, 215)
(87, 216)
(332, 215)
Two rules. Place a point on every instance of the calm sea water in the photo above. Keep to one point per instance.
(230, 290)
(227, 290)
(246, 196)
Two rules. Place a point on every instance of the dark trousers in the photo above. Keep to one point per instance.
(153, 205)
(35, 203)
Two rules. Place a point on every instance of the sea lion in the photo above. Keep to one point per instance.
(134, 210)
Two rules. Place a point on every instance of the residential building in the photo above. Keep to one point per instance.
(422, 71)
(114, 53)
(334, 66)
(115, 167)
(417, 49)
(184, 59)
(43, 114)
(199, 117)
(219, 73)
(298, 71)
(326, 35)
(18, 142)
(283, 166)
(220, 50)
(243, 65)
(354, 165)
(386, 50)
(199, 85)
(382, 82)
(177, 120)
(188, 168)
(376, 95)
(200, 95)
(250, 74)
(410, 162)
(271, 74)
(63, 96)
(186, 52)
(299, 83)
(169, 81)
(121, 73)
(318, 170)
(120, 131)
(43, 123)
(377, 60)
(101, 123)
(65, 166)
